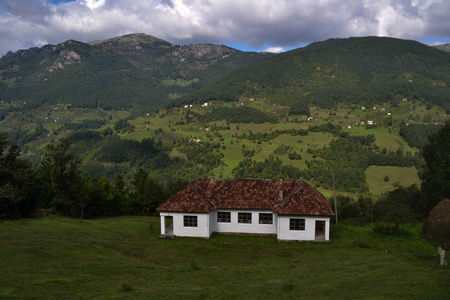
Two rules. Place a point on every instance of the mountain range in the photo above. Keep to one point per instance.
(141, 72)
(125, 72)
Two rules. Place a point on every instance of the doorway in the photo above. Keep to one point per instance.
(320, 231)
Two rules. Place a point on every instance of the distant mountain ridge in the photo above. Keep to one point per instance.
(361, 71)
(134, 70)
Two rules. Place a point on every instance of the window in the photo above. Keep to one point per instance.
(296, 224)
(223, 217)
(265, 218)
(245, 218)
(190, 221)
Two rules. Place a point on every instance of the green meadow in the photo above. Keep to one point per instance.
(123, 258)
(375, 178)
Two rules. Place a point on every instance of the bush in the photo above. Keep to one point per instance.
(385, 228)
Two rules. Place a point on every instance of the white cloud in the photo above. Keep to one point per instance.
(275, 49)
(259, 23)
(93, 4)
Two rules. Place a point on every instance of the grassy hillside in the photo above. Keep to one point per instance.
(56, 257)
(285, 145)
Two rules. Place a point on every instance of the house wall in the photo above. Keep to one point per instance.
(202, 229)
(235, 227)
(207, 224)
(309, 234)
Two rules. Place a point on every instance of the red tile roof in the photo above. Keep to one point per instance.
(284, 197)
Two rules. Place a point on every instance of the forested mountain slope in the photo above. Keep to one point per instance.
(134, 70)
(355, 70)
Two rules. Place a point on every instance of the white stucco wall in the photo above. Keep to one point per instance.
(235, 227)
(202, 229)
(309, 234)
(207, 224)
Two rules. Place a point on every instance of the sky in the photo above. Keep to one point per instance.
(248, 25)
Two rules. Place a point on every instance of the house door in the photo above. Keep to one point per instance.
(166, 227)
(320, 231)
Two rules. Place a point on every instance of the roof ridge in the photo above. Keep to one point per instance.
(288, 198)
(202, 196)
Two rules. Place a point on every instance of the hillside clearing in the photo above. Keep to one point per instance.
(400, 175)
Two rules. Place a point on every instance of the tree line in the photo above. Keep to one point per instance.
(57, 185)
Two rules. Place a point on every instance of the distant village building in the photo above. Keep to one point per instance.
(290, 209)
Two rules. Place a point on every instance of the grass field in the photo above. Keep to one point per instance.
(404, 176)
(56, 257)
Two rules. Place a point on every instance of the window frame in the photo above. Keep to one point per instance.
(225, 217)
(244, 218)
(266, 218)
(297, 224)
(190, 221)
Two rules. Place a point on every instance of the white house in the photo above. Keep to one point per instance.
(289, 209)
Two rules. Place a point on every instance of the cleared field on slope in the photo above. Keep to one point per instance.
(403, 176)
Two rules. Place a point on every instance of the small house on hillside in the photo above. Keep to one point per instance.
(289, 209)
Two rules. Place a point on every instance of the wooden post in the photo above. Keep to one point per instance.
(335, 203)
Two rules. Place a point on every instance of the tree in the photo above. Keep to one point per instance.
(394, 209)
(61, 180)
(120, 194)
(17, 180)
(148, 194)
(437, 227)
(436, 176)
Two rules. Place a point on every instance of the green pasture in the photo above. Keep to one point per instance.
(122, 257)
(383, 138)
(400, 175)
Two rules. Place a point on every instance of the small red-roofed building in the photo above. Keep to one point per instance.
(290, 209)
